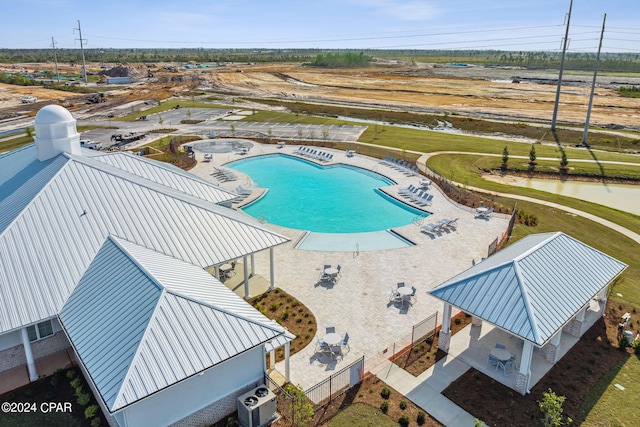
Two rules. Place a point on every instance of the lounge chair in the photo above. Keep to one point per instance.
(430, 228)
(407, 189)
(280, 144)
(208, 157)
(242, 191)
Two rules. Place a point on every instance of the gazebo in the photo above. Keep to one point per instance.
(536, 290)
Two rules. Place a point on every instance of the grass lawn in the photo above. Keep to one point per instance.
(361, 415)
(607, 405)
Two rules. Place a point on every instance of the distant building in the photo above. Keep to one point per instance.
(118, 80)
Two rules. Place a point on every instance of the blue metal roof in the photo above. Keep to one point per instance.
(136, 332)
(533, 287)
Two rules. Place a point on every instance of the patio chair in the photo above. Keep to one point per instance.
(502, 346)
(509, 365)
(400, 285)
(330, 330)
(430, 228)
(395, 296)
(345, 341)
(413, 294)
(493, 361)
(336, 350)
(321, 345)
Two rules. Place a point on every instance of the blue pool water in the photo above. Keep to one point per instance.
(334, 199)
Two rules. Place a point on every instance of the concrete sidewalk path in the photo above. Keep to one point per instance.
(425, 390)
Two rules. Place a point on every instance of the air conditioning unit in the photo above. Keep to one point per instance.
(257, 407)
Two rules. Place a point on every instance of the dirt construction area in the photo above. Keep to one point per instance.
(503, 94)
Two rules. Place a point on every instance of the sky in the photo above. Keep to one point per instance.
(330, 24)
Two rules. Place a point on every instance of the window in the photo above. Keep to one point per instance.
(43, 329)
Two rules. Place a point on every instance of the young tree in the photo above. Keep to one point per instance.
(233, 129)
(551, 407)
(532, 155)
(563, 158)
(302, 407)
(160, 120)
(505, 157)
(325, 134)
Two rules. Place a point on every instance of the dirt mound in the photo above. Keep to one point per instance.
(123, 71)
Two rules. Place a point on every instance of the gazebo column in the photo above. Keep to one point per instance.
(246, 277)
(551, 350)
(444, 339)
(287, 369)
(253, 266)
(524, 373)
(31, 364)
(272, 359)
(574, 327)
(272, 275)
(217, 270)
(602, 300)
(476, 321)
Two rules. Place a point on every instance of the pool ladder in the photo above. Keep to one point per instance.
(419, 220)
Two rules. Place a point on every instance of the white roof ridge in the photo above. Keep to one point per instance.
(552, 235)
(172, 290)
(527, 304)
(35, 196)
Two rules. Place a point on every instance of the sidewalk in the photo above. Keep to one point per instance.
(425, 389)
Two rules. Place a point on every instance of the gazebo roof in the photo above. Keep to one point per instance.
(533, 287)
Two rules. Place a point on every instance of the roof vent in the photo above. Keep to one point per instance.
(55, 132)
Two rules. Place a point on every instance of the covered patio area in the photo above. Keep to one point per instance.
(473, 344)
(530, 303)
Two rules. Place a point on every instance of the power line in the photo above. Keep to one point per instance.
(84, 68)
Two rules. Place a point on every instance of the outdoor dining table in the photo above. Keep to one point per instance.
(501, 354)
(481, 209)
(331, 271)
(225, 269)
(332, 339)
(404, 291)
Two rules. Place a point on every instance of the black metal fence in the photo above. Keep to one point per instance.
(323, 392)
(424, 329)
(285, 402)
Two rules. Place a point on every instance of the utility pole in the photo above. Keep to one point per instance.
(55, 58)
(84, 68)
(564, 51)
(593, 86)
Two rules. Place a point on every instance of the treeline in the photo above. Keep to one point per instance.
(342, 60)
(584, 61)
(200, 55)
(612, 62)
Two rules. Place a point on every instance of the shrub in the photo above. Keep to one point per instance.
(285, 315)
(551, 408)
(50, 395)
(421, 418)
(403, 405)
(96, 422)
(403, 420)
(83, 399)
(384, 407)
(75, 383)
(385, 393)
(54, 381)
(457, 321)
(91, 411)
(30, 392)
(623, 343)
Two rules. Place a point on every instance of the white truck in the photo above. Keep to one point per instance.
(92, 145)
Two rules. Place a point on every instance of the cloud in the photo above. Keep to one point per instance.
(413, 10)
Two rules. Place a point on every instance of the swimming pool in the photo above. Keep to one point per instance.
(331, 199)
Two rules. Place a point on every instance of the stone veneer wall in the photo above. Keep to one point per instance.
(216, 411)
(444, 340)
(550, 352)
(14, 356)
(573, 328)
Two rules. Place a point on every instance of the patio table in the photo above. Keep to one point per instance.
(502, 354)
(331, 271)
(481, 210)
(332, 339)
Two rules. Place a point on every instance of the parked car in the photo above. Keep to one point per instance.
(29, 99)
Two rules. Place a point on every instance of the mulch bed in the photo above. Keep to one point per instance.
(573, 376)
(418, 359)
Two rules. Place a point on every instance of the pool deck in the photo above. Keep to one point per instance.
(359, 302)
